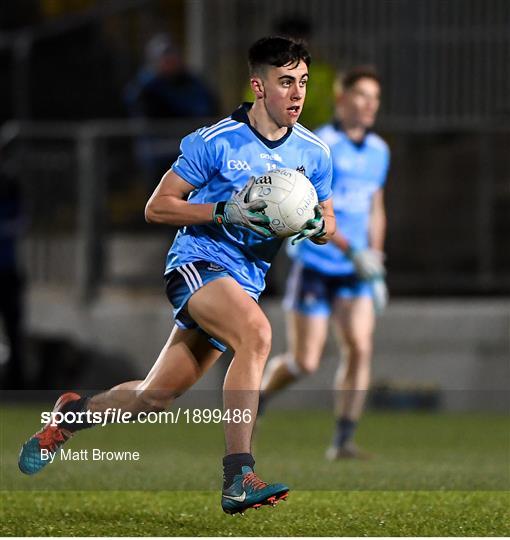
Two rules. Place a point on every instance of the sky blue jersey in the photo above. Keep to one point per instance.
(359, 170)
(219, 160)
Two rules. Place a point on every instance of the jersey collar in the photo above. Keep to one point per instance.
(337, 124)
(241, 115)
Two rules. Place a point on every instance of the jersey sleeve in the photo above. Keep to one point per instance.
(195, 163)
(323, 177)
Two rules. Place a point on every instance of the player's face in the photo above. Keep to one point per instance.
(284, 92)
(361, 102)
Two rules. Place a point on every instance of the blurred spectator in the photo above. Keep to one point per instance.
(165, 88)
(11, 278)
(318, 107)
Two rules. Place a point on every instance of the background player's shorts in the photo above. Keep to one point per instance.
(185, 280)
(311, 293)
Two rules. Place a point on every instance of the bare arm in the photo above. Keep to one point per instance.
(340, 241)
(377, 226)
(168, 205)
(330, 222)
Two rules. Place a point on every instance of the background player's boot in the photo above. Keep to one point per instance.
(347, 451)
(49, 438)
(248, 491)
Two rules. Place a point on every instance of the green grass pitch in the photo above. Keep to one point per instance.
(433, 474)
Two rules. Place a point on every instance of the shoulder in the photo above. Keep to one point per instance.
(377, 143)
(208, 138)
(307, 135)
(329, 134)
(220, 130)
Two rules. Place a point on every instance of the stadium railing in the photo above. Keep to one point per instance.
(86, 185)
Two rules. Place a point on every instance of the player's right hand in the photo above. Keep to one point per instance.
(239, 211)
(367, 262)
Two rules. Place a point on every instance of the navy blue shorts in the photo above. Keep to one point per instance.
(185, 280)
(311, 293)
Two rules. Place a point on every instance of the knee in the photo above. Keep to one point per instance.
(257, 337)
(155, 400)
(308, 365)
(299, 366)
(359, 348)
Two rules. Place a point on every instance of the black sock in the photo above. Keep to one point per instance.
(232, 465)
(77, 406)
(344, 432)
(262, 404)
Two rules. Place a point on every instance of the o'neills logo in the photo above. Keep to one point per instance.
(264, 180)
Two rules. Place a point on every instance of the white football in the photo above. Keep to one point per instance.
(290, 199)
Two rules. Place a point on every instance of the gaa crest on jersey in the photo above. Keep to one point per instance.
(238, 165)
(301, 169)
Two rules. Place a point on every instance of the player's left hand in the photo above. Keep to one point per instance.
(380, 294)
(239, 211)
(314, 228)
(369, 263)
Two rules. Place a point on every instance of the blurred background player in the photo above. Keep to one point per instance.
(344, 279)
(165, 88)
(216, 267)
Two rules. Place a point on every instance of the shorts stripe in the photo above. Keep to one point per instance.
(192, 278)
(293, 285)
(186, 278)
(196, 274)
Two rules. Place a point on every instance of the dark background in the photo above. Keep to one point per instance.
(64, 65)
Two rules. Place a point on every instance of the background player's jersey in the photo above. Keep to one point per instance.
(359, 170)
(219, 160)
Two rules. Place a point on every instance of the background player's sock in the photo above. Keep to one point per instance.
(344, 432)
(77, 406)
(232, 465)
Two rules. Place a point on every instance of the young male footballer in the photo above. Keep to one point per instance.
(216, 265)
(344, 279)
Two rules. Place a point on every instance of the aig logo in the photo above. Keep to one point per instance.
(238, 165)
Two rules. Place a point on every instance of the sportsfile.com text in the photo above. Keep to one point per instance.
(114, 415)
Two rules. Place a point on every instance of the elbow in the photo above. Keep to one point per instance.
(160, 211)
(153, 214)
(149, 213)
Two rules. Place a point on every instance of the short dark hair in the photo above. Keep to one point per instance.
(277, 51)
(353, 75)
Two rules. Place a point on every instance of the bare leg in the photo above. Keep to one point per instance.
(183, 360)
(355, 323)
(224, 310)
(306, 336)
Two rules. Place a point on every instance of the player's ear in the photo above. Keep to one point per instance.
(257, 85)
